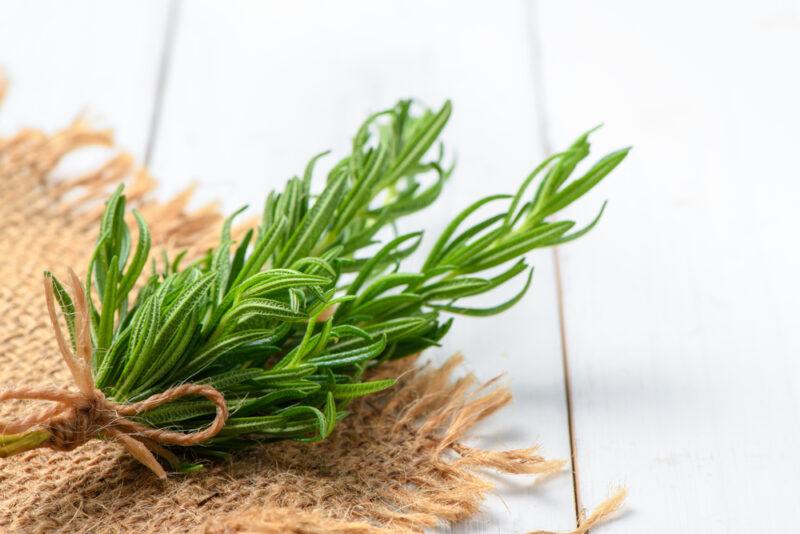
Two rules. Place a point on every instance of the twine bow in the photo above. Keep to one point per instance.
(80, 416)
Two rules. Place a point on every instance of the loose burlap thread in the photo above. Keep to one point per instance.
(396, 464)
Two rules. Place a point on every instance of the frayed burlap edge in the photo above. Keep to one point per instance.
(396, 464)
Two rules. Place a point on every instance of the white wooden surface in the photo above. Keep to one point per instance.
(681, 333)
(683, 330)
(85, 57)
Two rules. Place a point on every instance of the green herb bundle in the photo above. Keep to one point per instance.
(287, 321)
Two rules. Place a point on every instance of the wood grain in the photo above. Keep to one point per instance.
(89, 57)
(680, 310)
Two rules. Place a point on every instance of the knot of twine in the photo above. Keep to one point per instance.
(78, 417)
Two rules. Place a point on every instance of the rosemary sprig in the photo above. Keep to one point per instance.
(286, 321)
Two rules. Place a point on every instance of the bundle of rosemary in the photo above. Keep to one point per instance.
(286, 322)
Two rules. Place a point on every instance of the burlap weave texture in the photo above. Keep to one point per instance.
(395, 464)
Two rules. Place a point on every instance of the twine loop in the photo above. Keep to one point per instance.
(77, 417)
(74, 427)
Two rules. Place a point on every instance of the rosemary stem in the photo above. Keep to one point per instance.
(11, 444)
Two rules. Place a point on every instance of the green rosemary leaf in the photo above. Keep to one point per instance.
(507, 275)
(438, 249)
(330, 415)
(580, 187)
(276, 376)
(264, 308)
(271, 400)
(393, 257)
(314, 265)
(309, 173)
(321, 339)
(459, 253)
(289, 205)
(494, 310)
(179, 411)
(66, 305)
(144, 324)
(273, 426)
(378, 260)
(544, 235)
(357, 199)
(352, 391)
(105, 330)
(111, 363)
(138, 262)
(208, 354)
(461, 247)
(512, 213)
(264, 248)
(270, 282)
(424, 137)
(314, 222)
(453, 289)
(588, 228)
(277, 323)
(382, 306)
(412, 203)
(223, 381)
(178, 314)
(172, 356)
(347, 330)
(350, 357)
(238, 259)
(399, 328)
(415, 343)
(387, 282)
(221, 261)
(300, 414)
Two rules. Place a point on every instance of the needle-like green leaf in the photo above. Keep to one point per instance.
(276, 323)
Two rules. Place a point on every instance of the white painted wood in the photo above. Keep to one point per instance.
(683, 329)
(256, 88)
(683, 338)
(93, 57)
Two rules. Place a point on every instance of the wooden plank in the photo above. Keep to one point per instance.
(681, 317)
(255, 89)
(89, 56)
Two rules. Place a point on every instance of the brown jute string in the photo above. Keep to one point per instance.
(86, 414)
(599, 515)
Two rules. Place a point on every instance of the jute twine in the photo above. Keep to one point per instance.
(80, 416)
(395, 464)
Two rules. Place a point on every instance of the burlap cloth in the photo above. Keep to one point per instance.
(395, 464)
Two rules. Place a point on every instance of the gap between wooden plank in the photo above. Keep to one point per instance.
(170, 29)
(562, 330)
(531, 11)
